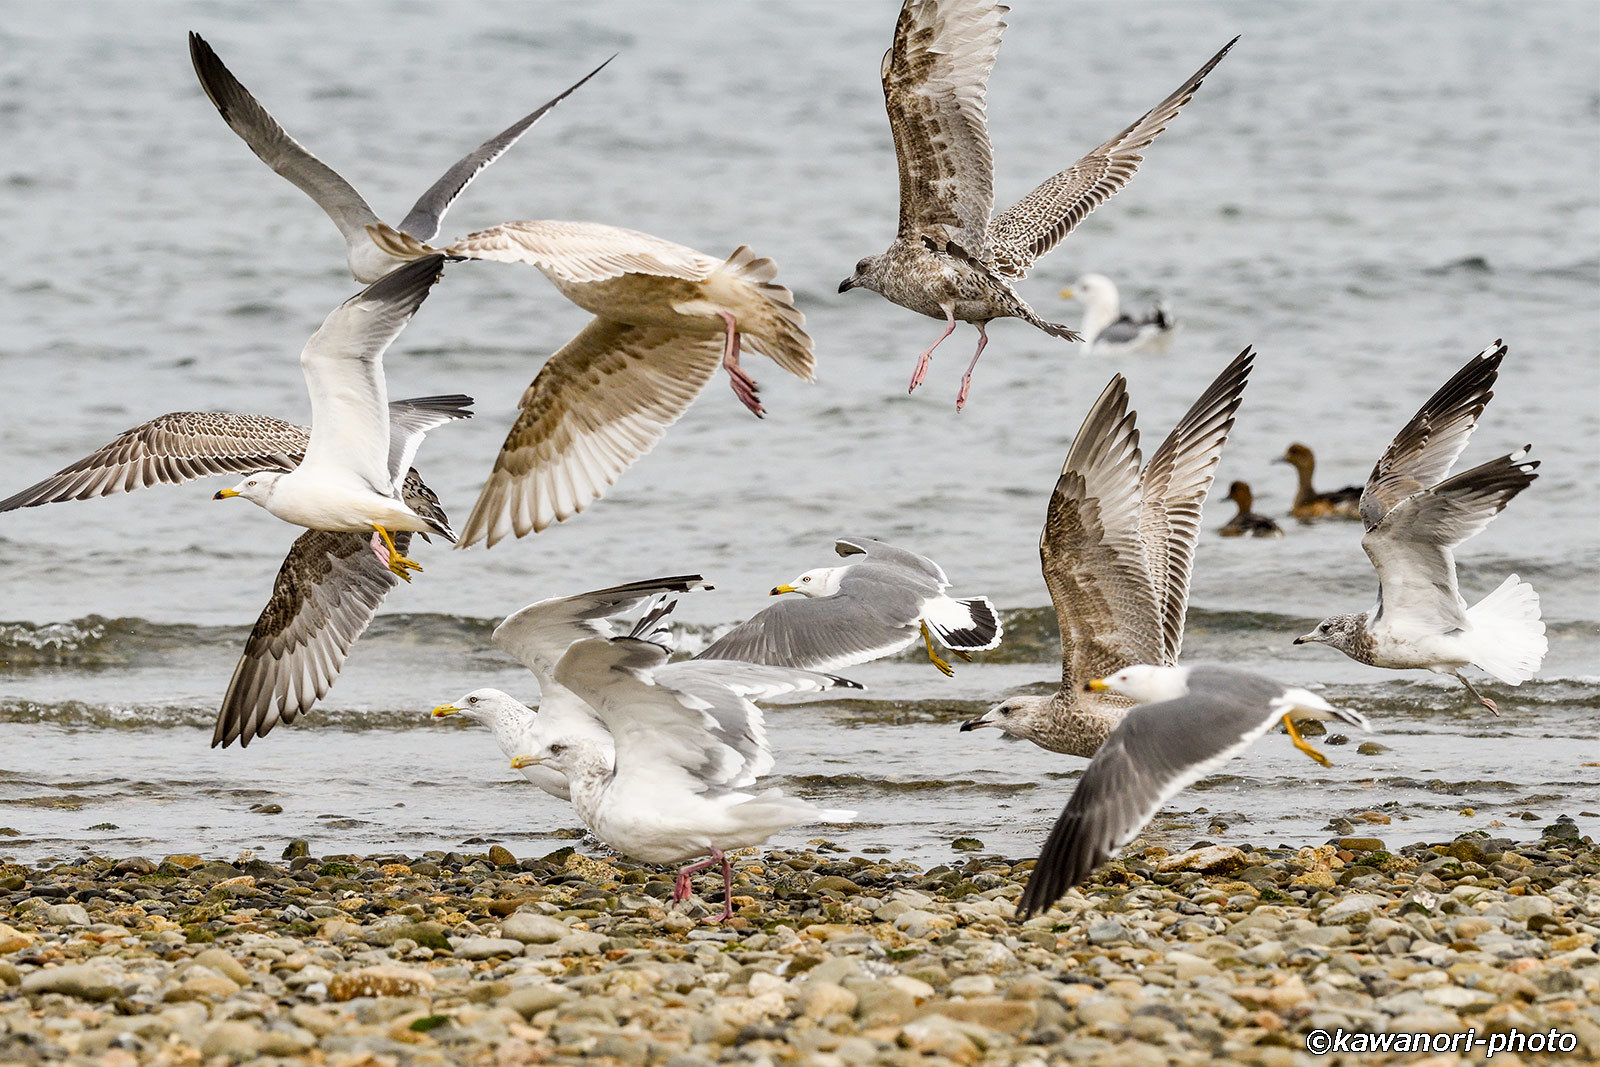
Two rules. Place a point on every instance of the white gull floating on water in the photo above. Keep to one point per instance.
(1190, 721)
(1108, 329)
(1415, 517)
(1117, 551)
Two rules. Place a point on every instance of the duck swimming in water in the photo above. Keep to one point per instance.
(1308, 503)
(1247, 523)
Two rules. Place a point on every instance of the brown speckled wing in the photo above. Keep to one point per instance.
(1035, 224)
(599, 404)
(935, 80)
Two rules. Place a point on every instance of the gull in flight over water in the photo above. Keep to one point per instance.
(1189, 721)
(1415, 516)
(952, 258)
(1117, 553)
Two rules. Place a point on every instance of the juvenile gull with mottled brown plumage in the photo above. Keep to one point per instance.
(950, 259)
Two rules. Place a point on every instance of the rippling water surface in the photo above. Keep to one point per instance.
(1368, 194)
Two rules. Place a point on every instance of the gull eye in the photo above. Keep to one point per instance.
(472, 700)
(805, 579)
(1324, 628)
(252, 481)
(557, 749)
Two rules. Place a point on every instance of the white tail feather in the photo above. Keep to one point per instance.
(970, 625)
(1507, 634)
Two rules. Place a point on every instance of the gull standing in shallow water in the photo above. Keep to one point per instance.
(862, 611)
(329, 586)
(1117, 551)
(950, 259)
(1190, 721)
(1109, 329)
(349, 212)
(675, 782)
(1414, 518)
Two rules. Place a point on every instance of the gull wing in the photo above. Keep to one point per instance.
(327, 590)
(272, 143)
(1092, 553)
(883, 552)
(1156, 751)
(1424, 451)
(601, 402)
(935, 83)
(423, 221)
(409, 422)
(580, 252)
(343, 367)
(1411, 546)
(1035, 224)
(1174, 487)
(538, 635)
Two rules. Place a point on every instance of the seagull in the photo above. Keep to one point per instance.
(1117, 551)
(538, 635)
(1247, 523)
(1190, 720)
(862, 611)
(1308, 503)
(678, 784)
(349, 212)
(666, 317)
(354, 467)
(1415, 517)
(950, 259)
(330, 584)
(1109, 329)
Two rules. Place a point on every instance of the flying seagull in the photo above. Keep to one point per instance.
(330, 584)
(666, 317)
(952, 258)
(862, 611)
(1415, 516)
(349, 212)
(1190, 721)
(1117, 551)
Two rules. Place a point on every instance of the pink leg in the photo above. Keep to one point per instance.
(744, 386)
(922, 361)
(966, 379)
(380, 549)
(681, 892)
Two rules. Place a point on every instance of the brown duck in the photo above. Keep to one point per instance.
(1308, 503)
(1247, 523)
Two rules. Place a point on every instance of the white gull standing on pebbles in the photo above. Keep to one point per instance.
(951, 258)
(1117, 552)
(349, 212)
(1190, 721)
(1414, 517)
(864, 610)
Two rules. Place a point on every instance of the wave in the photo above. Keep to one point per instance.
(95, 643)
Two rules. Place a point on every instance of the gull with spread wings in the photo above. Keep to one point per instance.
(330, 584)
(1415, 516)
(952, 259)
(1117, 552)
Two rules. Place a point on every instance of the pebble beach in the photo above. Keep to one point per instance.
(1220, 953)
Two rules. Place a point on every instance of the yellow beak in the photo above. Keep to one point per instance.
(1067, 293)
(1096, 684)
(445, 709)
(519, 762)
(782, 589)
(223, 494)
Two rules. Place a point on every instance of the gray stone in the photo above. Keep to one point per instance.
(65, 915)
(483, 948)
(84, 980)
(530, 1000)
(533, 928)
(233, 1038)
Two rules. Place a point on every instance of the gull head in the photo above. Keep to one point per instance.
(488, 707)
(255, 488)
(824, 581)
(1091, 289)
(1023, 717)
(557, 755)
(1343, 632)
(865, 276)
(1144, 683)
